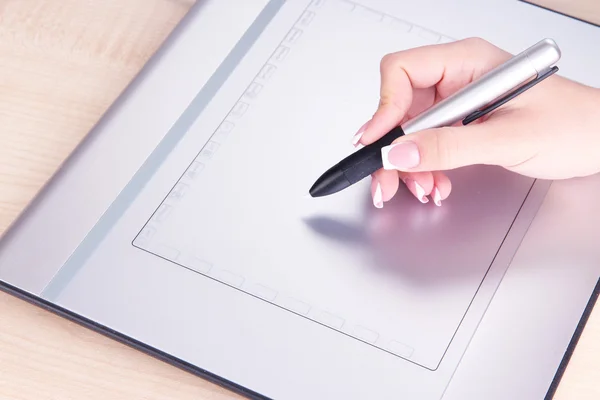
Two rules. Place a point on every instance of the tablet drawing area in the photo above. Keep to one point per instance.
(399, 279)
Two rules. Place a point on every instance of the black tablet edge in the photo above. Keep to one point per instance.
(573, 343)
(130, 342)
(236, 388)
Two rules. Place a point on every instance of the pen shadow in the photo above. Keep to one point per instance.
(426, 244)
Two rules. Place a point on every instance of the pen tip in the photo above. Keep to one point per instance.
(307, 196)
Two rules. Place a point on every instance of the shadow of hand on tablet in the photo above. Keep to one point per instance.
(399, 240)
(426, 244)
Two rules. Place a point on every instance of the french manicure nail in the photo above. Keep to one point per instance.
(358, 135)
(403, 155)
(417, 190)
(378, 197)
(437, 197)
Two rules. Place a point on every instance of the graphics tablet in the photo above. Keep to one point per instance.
(180, 224)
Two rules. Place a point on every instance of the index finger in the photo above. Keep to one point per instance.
(447, 66)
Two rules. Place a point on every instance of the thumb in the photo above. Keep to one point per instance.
(448, 148)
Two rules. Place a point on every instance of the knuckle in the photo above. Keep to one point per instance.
(475, 42)
(445, 148)
(482, 47)
(391, 70)
(386, 98)
(387, 61)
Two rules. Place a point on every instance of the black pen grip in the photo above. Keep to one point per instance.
(367, 160)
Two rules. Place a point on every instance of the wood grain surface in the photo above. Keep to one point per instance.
(62, 63)
(585, 10)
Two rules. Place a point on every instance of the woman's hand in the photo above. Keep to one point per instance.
(551, 131)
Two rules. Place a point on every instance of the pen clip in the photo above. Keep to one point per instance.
(480, 113)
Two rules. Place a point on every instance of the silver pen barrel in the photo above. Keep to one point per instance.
(496, 83)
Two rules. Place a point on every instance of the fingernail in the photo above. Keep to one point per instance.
(403, 155)
(358, 135)
(417, 190)
(378, 197)
(437, 197)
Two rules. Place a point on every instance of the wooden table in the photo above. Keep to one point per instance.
(62, 63)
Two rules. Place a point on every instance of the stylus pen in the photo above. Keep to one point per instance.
(475, 100)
